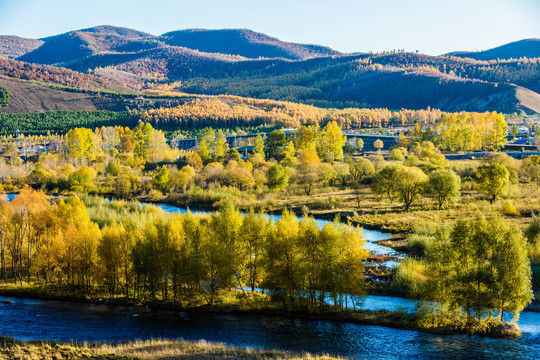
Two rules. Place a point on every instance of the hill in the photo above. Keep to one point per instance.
(249, 64)
(60, 76)
(14, 46)
(243, 42)
(34, 97)
(86, 42)
(104, 40)
(527, 48)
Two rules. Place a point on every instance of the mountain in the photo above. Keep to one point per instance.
(14, 46)
(102, 40)
(249, 64)
(243, 42)
(529, 48)
(86, 42)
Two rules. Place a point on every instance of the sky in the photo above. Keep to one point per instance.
(430, 26)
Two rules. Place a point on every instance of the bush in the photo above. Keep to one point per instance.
(409, 275)
(509, 209)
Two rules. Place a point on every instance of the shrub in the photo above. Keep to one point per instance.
(509, 209)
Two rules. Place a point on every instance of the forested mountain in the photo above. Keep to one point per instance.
(245, 63)
(14, 46)
(527, 48)
(245, 43)
(82, 43)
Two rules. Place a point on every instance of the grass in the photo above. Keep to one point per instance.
(143, 350)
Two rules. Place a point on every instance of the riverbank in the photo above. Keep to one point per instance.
(392, 319)
(143, 350)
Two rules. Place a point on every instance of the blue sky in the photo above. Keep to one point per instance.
(430, 26)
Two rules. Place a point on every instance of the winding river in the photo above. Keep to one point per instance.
(28, 319)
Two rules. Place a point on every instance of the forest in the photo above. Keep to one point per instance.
(4, 97)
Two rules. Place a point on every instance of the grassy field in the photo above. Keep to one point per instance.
(144, 350)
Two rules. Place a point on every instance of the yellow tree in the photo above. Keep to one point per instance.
(80, 142)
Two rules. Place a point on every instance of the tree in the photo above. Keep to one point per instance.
(143, 134)
(396, 154)
(361, 168)
(274, 144)
(161, 178)
(409, 183)
(342, 171)
(478, 266)
(203, 150)
(80, 142)
(378, 144)
(82, 179)
(384, 182)
(493, 180)
(258, 146)
(360, 144)
(444, 186)
(514, 131)
(253, 240)
(277, 178)
(332, 141)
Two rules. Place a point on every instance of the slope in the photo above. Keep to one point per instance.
(14, 46)
(529, 48)
(243, 42)
(82, 43)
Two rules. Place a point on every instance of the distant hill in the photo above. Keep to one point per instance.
(245, 43)
(245, 63)
(103, 40)
(529, 48)
(14, 46)
(86, 42)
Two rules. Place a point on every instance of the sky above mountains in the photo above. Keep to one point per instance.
(430, 26)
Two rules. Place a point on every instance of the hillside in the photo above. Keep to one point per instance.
(60, 76)
(527, 48)
(82, 43)
(14, 46)
(32, 97)
(249, 64)
(245, 43)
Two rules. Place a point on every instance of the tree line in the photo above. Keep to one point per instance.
(147, 255)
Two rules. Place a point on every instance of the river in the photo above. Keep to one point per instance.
(28, 319)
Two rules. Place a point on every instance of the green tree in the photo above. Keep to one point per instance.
(258, 146)
(360, 169)
(384, 182)
(161, 178)
(277, 178)
(274, 144)
(444, 186)
(514, 130)
(143, 134)
(478, 266)
(409, 183)
(493, 180)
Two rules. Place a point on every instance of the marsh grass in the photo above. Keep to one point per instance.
(143, 350)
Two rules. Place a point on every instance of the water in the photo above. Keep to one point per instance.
(63, 321)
